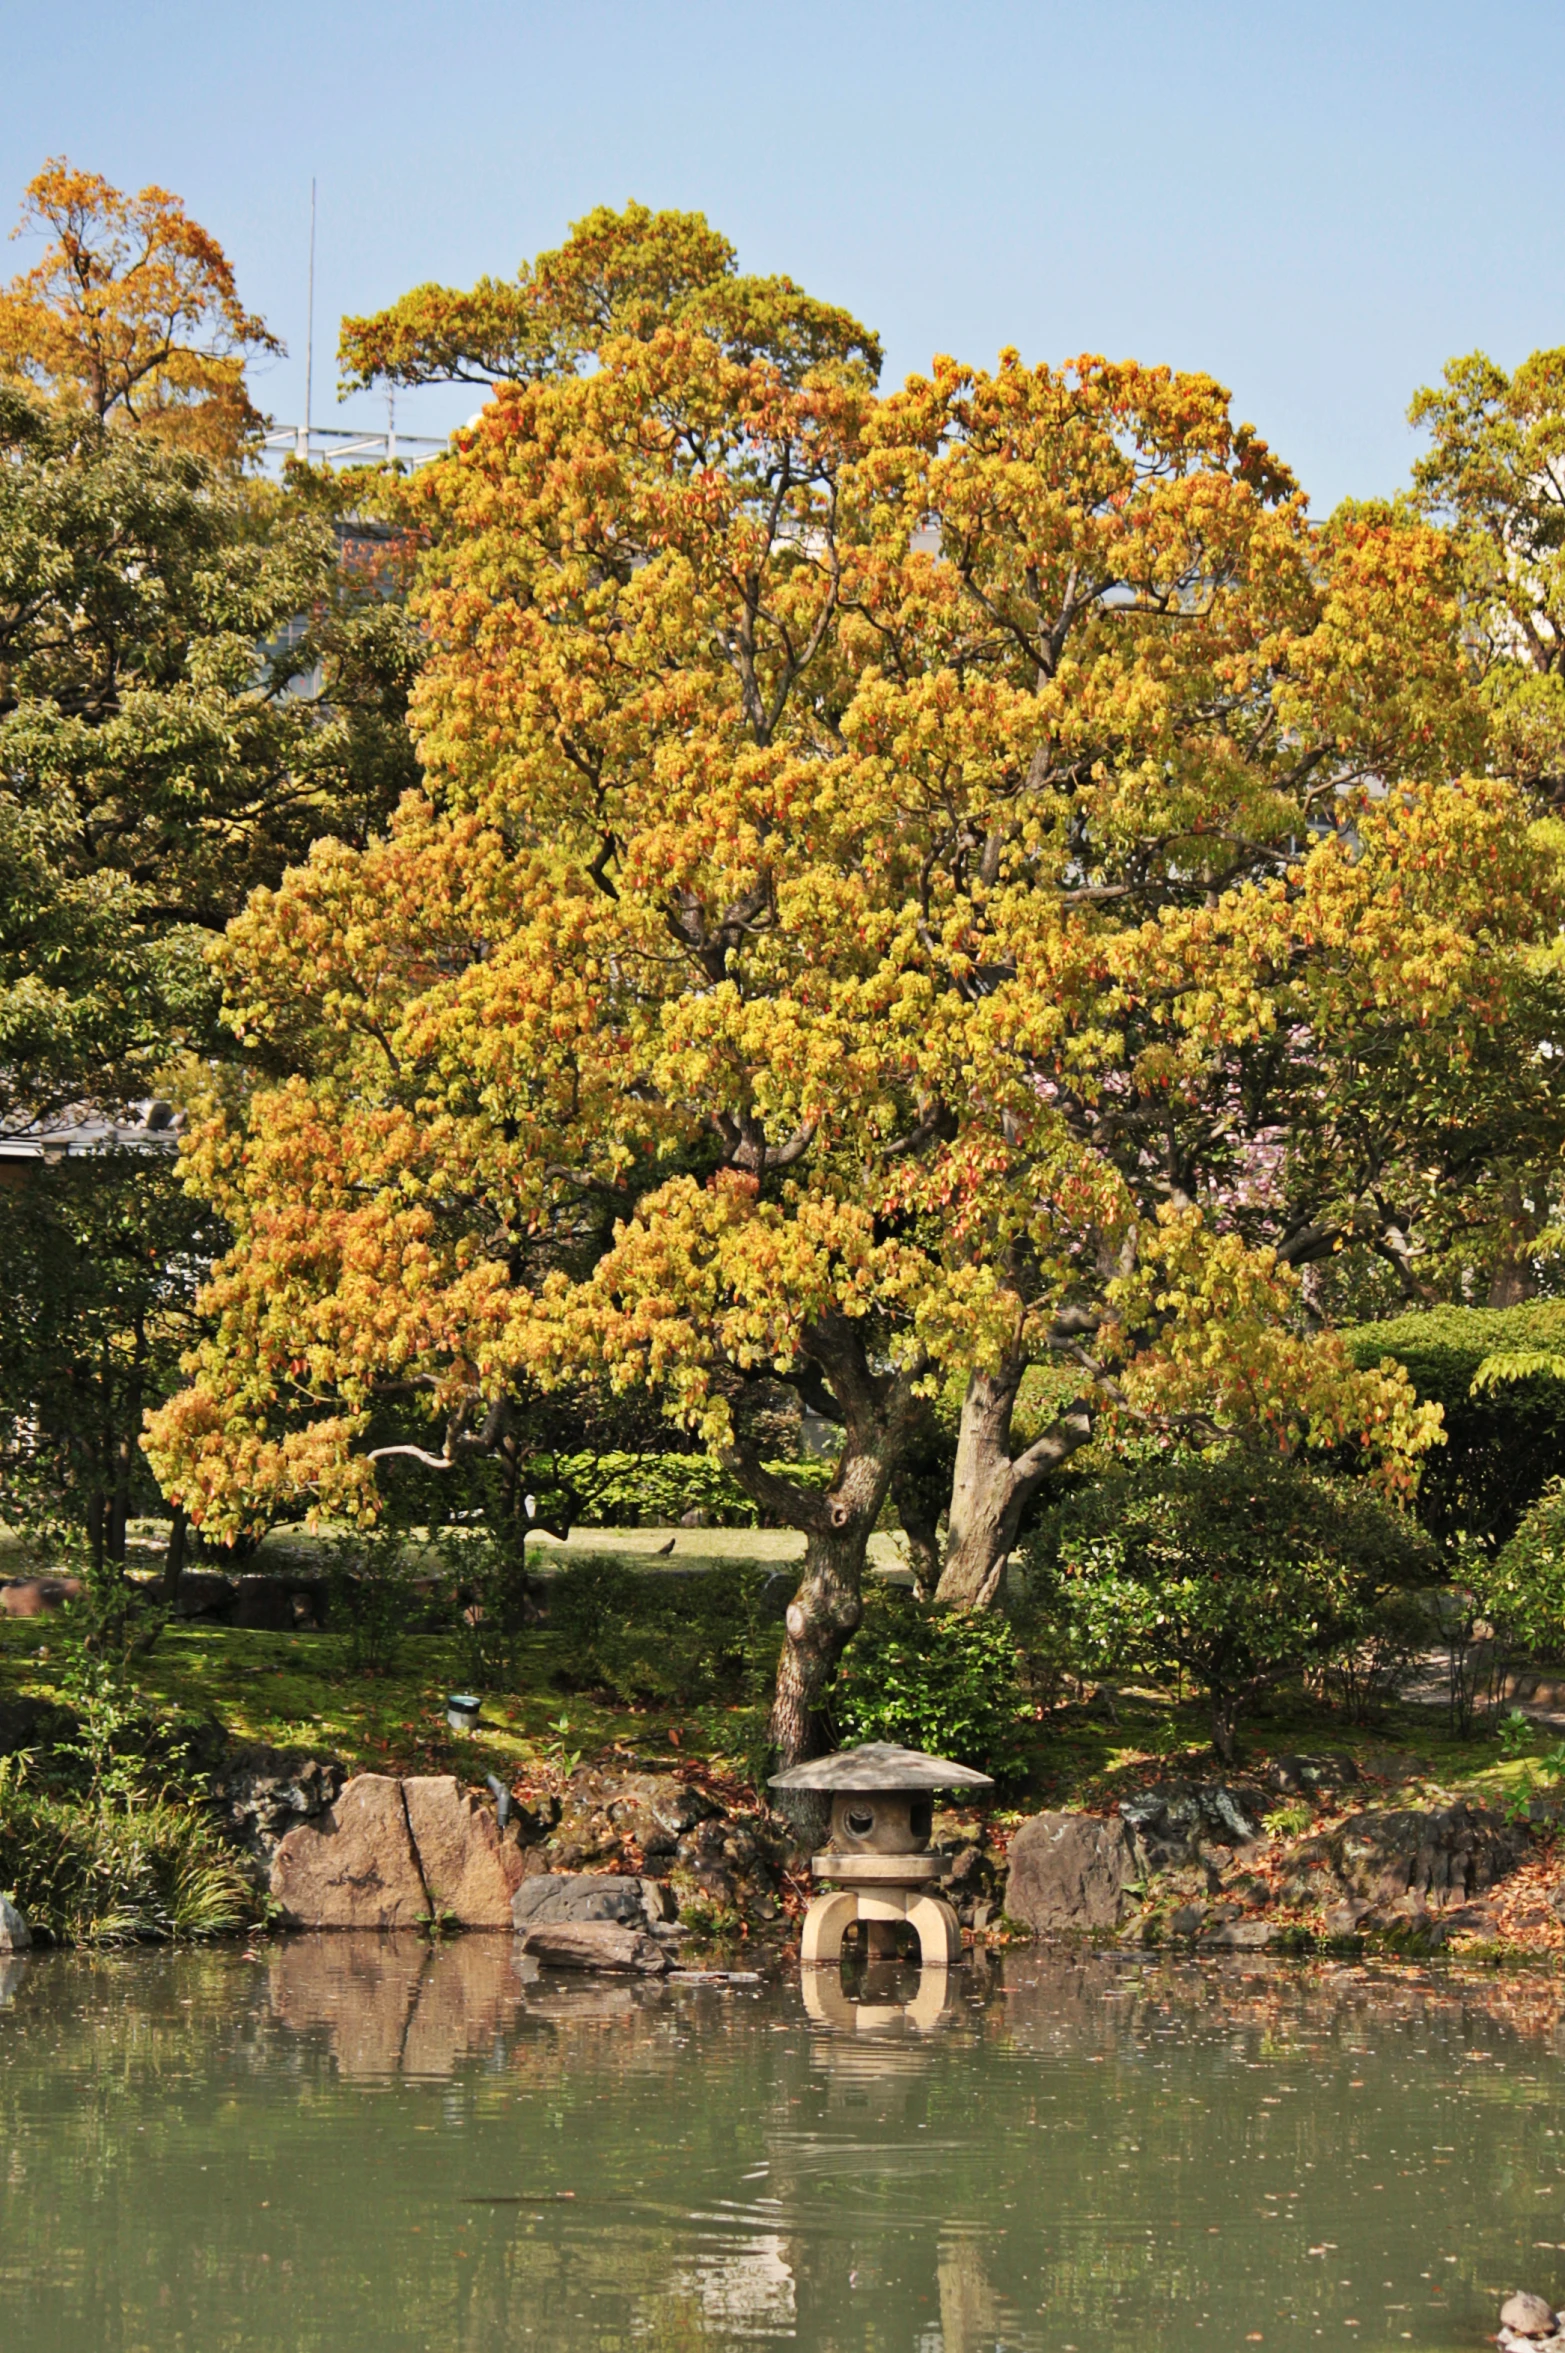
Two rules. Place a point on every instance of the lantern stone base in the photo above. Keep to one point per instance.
(885, 1892)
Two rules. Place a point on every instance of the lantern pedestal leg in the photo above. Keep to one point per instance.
(881, 1913)
(824, 1923)
(938, 1931)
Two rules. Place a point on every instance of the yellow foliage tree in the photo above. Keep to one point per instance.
(899, 878)
(131, 313)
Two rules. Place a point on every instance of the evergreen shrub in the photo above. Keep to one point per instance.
(947, 1681)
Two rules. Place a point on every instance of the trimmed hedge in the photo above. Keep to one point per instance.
(1503, 1444)
(648, 1490)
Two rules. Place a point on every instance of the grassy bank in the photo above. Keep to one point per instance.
(134, 1855)
(301, 1691)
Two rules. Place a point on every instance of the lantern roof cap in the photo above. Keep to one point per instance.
(881, 1765)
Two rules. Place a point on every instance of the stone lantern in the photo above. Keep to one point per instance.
(877, 1864)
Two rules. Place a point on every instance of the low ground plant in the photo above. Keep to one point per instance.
(105, 1834)
(648, 1639)
(1236, 1567)
(621, 1490)
(117, 1871)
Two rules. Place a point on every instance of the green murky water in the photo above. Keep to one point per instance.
(364, 2146)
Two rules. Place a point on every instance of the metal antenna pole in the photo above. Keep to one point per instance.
(309, 342)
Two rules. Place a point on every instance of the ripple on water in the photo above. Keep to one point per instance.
(356, 2143)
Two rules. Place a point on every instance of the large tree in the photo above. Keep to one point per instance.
(200, 673)
(194, 685)
(872, 847)
(130, 314)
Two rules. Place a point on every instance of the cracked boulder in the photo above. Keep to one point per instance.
(471, 1868)
(358, 1868)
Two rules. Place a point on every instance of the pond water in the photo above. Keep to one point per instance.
(366, 2145)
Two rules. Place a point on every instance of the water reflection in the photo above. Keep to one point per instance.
(362, 2143)
(395, 2005)
(886, 1998)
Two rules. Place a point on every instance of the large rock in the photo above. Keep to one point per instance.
(37, 1597)
(34, 1723)
(1069, 1872)
(266, 1792)
(359, 1870)
(1412, 1856)
(602, 1814)
(15, 1935)
(471, 1867)
(204, 1593)
(1293, 1775)
(595, 1944)
(263, 1604)
(1174, 1821)
(552, 1897)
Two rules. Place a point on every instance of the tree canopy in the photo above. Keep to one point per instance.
(194, 685)
(131, 314)
(1495, 471)
(200, 673)
(619, 274)
(905, 887)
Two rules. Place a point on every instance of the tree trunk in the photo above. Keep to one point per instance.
(119, 1515)
(920, 1525)
(990, 1490)
(824, 1612)
(1222, 1718)
(125, 1447)
(880, 1420)
(174, 1559)
(1514, 1276)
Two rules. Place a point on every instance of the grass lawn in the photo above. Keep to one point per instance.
(300, 1691)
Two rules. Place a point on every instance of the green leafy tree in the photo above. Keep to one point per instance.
(200, 675)
(101, 1257)
(1232, 1567)
(1522, 1590)
(196, 682)
(946, 1681)
(1495, 471)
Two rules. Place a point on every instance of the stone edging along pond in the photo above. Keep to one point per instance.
(667, 1851)
(1182, 1861)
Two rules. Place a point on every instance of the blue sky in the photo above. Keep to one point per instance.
(1316, 204)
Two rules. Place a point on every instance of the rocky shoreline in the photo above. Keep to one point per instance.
(1207, 1864)
(649, 1857)
(1220, 1866)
